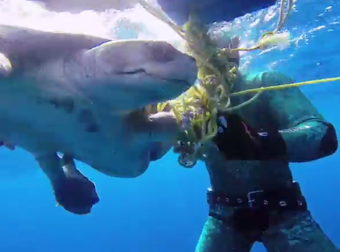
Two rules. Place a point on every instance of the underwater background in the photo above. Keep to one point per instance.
(164, 210)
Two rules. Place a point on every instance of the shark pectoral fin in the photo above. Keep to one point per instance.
(70, 168)
(7, 145)
(50, 164)
(5, 66)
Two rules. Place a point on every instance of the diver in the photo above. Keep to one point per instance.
(253, 196)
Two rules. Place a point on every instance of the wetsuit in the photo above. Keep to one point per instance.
(253, 196)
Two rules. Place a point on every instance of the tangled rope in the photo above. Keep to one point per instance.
(196, 110)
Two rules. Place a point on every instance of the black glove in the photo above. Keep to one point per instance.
(238, 141)
(76, 194)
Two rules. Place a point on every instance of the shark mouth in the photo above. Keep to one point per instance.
(142, 71)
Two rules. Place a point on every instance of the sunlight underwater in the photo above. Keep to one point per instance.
(130, 23)
(136, 23)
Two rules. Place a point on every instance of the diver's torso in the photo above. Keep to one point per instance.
(239, 177)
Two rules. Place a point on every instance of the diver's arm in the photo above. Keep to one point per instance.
(299, 133)
(306, 134)
(159, 130)
(163, 129)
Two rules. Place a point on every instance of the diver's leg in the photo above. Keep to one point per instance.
(297, 232)
(217, 236)
(72, 190)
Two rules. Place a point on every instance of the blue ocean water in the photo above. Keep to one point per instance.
(164, 210)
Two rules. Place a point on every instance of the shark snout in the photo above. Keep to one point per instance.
(193, 70)
(166, 53)
(187, 68)
(168, 63)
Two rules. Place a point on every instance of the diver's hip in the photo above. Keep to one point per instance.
(278, 199)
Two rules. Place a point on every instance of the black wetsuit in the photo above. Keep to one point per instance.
(252, 155)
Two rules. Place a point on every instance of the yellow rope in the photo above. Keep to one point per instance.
(204, 61)
(161, 16)
(246, 102)
(297, 84)
(263, 41)
(282, 19)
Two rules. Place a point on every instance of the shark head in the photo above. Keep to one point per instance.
(136, 73)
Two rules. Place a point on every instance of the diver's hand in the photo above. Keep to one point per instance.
(161, 127)
(235, 137)
(186, 151)
(76, 194)
(237, 140)
(234, 127)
